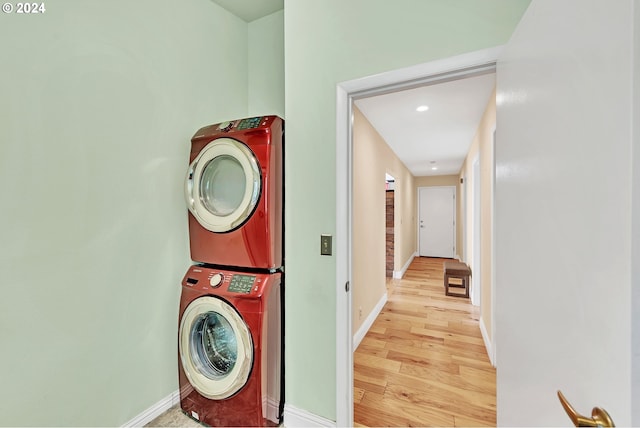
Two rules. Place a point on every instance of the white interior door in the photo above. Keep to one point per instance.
(436, 223)
(563, 214)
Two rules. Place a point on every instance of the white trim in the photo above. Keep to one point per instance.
(398, 274)
(418, 75)
(155, 410)
(464, 204)
(487, 342)
(294, 417)
(414, 76)
(457, 257)
(493, 243)
(476, 232)
(368, 322)
(344, 208)
(635, 222)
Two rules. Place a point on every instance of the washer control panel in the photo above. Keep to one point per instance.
(241, 283)
(227, 283)
(236, 283)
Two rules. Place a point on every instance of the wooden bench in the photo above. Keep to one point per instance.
(456, 270)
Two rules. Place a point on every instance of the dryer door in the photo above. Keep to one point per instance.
(216, 349)
(223, 184)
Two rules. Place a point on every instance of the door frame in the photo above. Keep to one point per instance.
(462, 205)
(437, 71)
(455, 216)
(476, 230)
(492, 350)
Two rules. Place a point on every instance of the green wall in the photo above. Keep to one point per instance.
(328, 42)
(266, 65)
(98, 101)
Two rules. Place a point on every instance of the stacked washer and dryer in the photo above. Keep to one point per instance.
(231, 308)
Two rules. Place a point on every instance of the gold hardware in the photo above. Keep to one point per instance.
(599, 417)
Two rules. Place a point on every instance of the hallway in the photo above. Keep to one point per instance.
(423, 362)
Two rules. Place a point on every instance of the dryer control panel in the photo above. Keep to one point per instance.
(250, 123)
(207, 133)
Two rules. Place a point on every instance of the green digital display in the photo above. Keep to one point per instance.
(251, 123)
(242, 283)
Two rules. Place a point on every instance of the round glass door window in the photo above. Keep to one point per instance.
(216, 349)
(223, 185)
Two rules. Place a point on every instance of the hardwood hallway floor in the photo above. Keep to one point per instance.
(423, 362)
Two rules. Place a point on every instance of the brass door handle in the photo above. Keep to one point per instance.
(599, 417)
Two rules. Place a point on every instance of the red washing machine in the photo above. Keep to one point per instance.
(229, 340)
(234, 192)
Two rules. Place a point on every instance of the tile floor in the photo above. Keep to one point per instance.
(173, 418)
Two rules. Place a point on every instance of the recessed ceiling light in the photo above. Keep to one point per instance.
(422, 108)
(434, 168)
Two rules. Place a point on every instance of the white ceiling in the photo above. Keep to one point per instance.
(440, 136)
(250, 10)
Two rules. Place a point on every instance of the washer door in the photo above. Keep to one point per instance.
(215, 346)
(223, 184)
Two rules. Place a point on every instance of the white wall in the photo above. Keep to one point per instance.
(99, 102)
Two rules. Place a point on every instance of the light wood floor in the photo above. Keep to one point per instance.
(423, 362)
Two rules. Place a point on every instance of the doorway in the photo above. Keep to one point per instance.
(389, 225)
(467, 65)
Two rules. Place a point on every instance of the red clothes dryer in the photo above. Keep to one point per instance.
(234, 192)
(230, 359)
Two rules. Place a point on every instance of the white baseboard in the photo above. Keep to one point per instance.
(368, 322)
(155, 410)
(294, 417)
(399, 274)
(487, 342)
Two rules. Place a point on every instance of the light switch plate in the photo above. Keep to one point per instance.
(325, 245)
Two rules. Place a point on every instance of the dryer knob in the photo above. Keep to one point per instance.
(216, 280)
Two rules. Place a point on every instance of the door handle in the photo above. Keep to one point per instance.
(599, 416)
